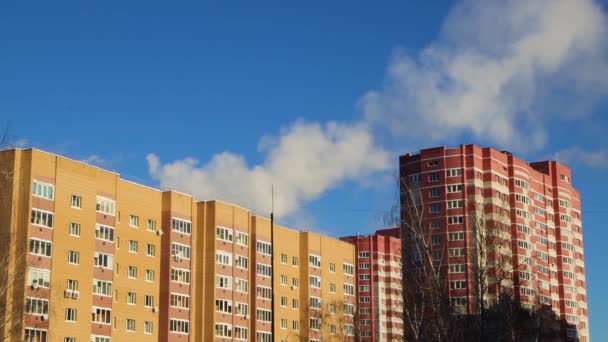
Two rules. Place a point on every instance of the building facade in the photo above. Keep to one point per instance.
(538, 208)
(93, 257)
(379, 286)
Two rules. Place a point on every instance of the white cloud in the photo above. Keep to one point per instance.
(496, 71)
(576, 155)
(303, 162)
(94, 160)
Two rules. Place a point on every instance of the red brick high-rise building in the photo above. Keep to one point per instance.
(543, 223)
(379, 297)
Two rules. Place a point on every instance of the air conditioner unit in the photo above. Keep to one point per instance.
(35, 286)
(68, 293)
(293, 287)
(155, 309)
(246, 316)
(159, 232)
(44, 317)
(75, 294)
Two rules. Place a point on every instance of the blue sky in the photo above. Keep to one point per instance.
(316, 98)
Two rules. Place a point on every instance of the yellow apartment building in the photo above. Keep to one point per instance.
(89, 256)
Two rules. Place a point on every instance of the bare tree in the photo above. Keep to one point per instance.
(427, 308)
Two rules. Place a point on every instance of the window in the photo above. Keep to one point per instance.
(73, 258)
(180, 301)
(241, 262)
(150, 250)
(454, 188)
(104, 233)
(241, 309)
(364, 266)
(101, 315)
(315, 282)
(283, 280)
(179, 326)
(222, 305)
(242, 239)
(148, 301)
(241, 333)
(264, 248)
(433, 177)
(349, 289)
(314, 261)
(264, 292)
(283, 301)
(263, 315)
(102, 288)
(415, 178)
(36, 335)
(436, 240)
(458, 268)
(332, 288)
(132, 272)
(349, 309)
(455, 204)
(223, 330)
(435, 208)
(223, 258)
(131, 298)
(453, 172)
(133, 246)
(434, 192)
(295, 325)
(99, 339)
(241, 285)
(264, 270)
(433, 163)
(364, 299)
(42, 218)
(179, 250)
(39, 278)
(76, 201)
(69, 339)
(148, 327)
(363, 254)
(294, 261)
(43, 190)
(458, 284)
(74, 229)
(224, 234)
(105, 205)
(315, 323)
(455, 219)
(369, 276)
(263, 336)
(179, 275)
(295, 303)
(456, 236)
(524, 244)
(294, 282)
(134, 221)
(283, 258)
(151, 226)
(348, 269)
(223, 282)
(522, 199)
(315, 303)
(149, 275)
(40, 247)
(183, 226)
(332, 267)
(349, 330)
(37, 306)
(520, 183)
